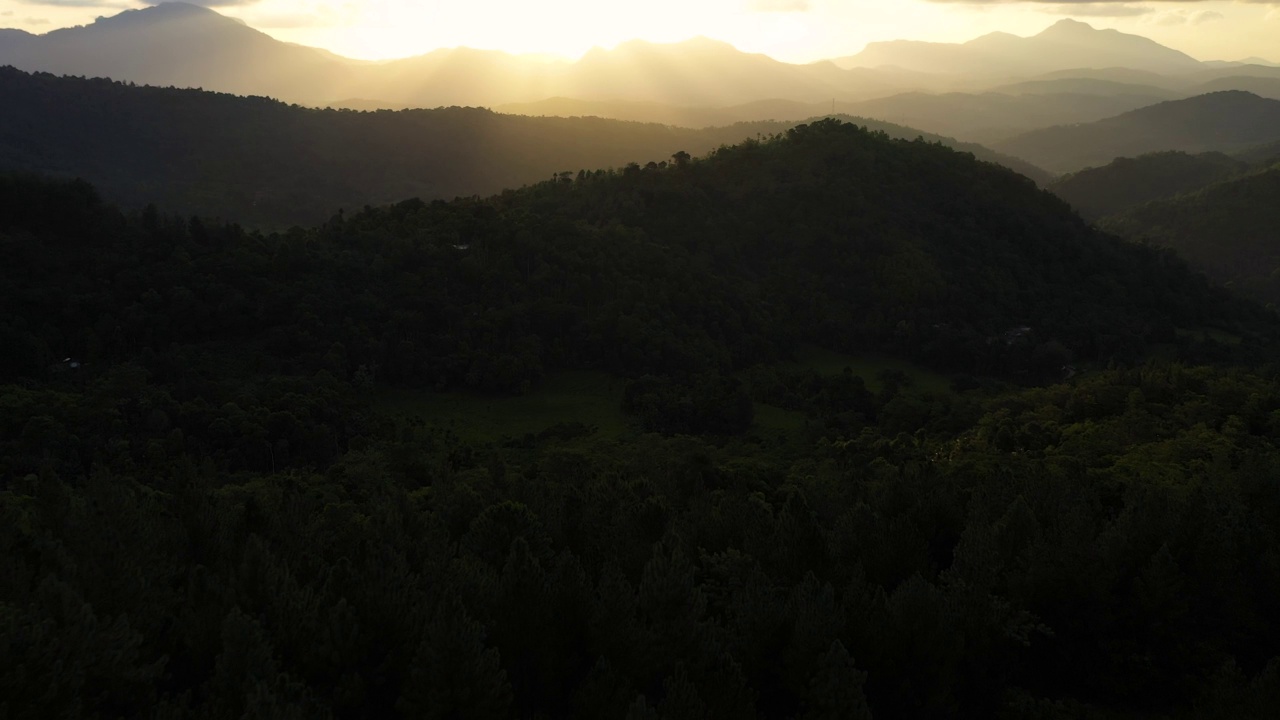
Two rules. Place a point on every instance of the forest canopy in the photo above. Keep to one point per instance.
(207, 510)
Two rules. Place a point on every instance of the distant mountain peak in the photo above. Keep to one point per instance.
(178, 8)
(1068, 25)
(168, 11)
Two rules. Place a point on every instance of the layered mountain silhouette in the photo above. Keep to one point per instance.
(183, 45)
(991, 116)
(190, 46)
(266, 163)
(987, 90)
(1223, 121)
(981, 117)
(1065, 45)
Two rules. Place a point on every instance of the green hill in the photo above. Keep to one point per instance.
(1221, 121)
(1231, 230)
(829, 235)
(1128, 182)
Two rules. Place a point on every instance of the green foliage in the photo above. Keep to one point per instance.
(1225, 230)
(1126, 183)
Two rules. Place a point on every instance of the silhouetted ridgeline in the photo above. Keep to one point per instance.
(264, 163)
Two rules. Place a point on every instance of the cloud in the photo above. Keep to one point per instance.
(130, 4)
(1205, 16)
(35, 21)
(210, 3)
(1078, 3)
(1185, 17)
(78, 3)
(283, 21)
(779, 6)
(1105, 9)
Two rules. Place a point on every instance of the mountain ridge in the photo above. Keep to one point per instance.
(270, 164)
(1224, 121)
(1064, 45)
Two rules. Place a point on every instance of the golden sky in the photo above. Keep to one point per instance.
(790, 30)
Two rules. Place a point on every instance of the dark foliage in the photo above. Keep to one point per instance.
(1126, 183)
(1228, 230)
(202, 514)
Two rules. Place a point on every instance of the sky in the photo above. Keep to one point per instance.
(789, 30)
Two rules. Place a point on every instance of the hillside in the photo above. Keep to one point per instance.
(1230, 230)
(1221, 121)
(265, 163)
(828, 234)
(207, 509)
(1126, 183)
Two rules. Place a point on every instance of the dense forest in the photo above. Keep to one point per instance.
(1126, 183)
(206, 510)
(263, 163)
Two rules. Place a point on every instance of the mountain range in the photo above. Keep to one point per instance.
(183, 45)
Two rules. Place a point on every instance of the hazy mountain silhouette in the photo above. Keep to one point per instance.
(988, 117)
(1065, 45)
(190, 46)
(186, 46)
(696, 83)
(1083, 84)
(1224, 121)
(263, 162)
(1267, 87)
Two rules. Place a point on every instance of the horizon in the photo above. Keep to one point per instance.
(785, 30)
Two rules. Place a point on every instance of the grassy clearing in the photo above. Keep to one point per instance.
(595, 399)
(590, 398)
(869, 367)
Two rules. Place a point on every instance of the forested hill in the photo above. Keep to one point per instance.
(1126, 183)
(828, 234)
(206, 510)
(266, 164)
(1228, 229)
(1226, 121)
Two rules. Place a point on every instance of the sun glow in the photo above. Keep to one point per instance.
(789, 30)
